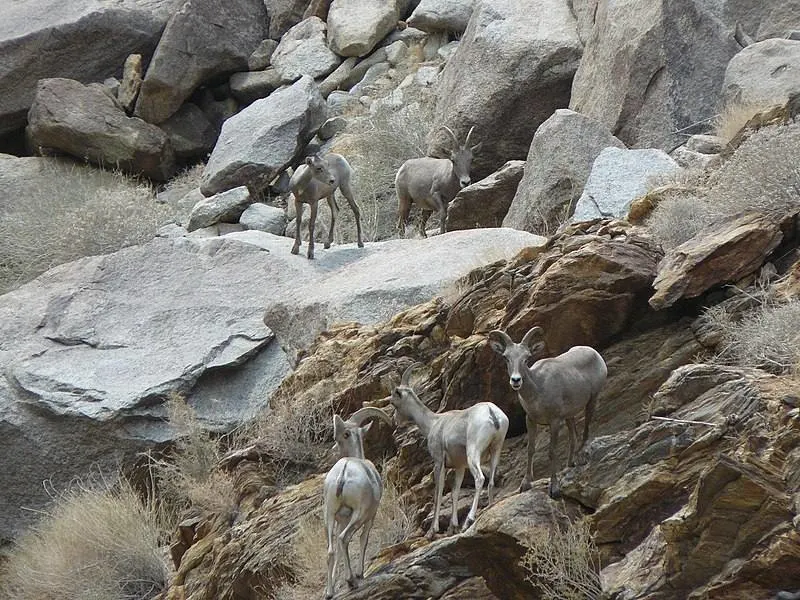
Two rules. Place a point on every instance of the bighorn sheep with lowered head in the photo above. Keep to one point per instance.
(433, 182)
(552, 391)
(458, 439)
(351, 492)
(318, 178)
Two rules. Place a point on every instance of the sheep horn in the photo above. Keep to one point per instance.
(469, 135)
(453, 135)
(362, 414)
(406, 378)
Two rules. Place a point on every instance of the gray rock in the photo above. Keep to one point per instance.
(340, 103)
(618, 177)
(190, 132)
(249, 86)
(559, 162)
(396, 52)
(220, 36)
(690, 159)
(356, 26)
(131, 82)
(260, 142)
(635, 81)
(303, 50)
(705, 144)
(261, 56)
(510, 56)
(447, 51)
(112, 85)
(263, 217)
(584, 11)
(284, 14)
(485, 202)
(372, 75)
(442, 15)
(335, 80)
(358, 72)
(331, 127)
(171, 230)
(86, 122)
(223, 207)
(765, 73)
(86, 41)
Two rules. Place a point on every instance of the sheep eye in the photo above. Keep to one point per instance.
(346, 434)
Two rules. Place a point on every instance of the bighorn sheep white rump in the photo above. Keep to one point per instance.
(351, 492)
(458, 439)
(552, 391)
(433, 182)
(319, 177)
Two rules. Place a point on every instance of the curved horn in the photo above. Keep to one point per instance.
(469, 135)
(362, 414)
(453, 135)
(532, 332)
(499, 340)
(406, 378)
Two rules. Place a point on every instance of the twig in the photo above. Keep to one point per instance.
(685, 421)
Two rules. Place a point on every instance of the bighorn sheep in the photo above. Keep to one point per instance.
(433, 182)
(457, 439)
(351, 492)
(552, 391)
(318, 178)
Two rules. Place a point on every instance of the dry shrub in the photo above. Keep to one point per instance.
(189, 478)
(735, 115)
(96, 543)
(762, 175)
(562, 562)
(766, 337)
(175, 192)
(72, 218)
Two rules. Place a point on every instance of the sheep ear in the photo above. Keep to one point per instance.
(338, 424)
(533, 332)
(536, 349)
(309, 160)
(499, 341)
(365, 428)
(476, 148)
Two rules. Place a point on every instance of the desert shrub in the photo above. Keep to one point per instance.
(96, 543)
(189, 477)
(735, 115)
(767, 336)
(174, 194)
(762, 175)
(562, 562)
(75, 215)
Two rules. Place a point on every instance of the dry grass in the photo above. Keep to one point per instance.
(189, 478)
(762, 175)
(766, 337)
(735, 116)
(76, 214)
(95, 544)
(562, 562)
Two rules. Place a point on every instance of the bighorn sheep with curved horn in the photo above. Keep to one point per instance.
(458, 439)
(433, 182)
(351, 492)
(552, 391)
(317, 178)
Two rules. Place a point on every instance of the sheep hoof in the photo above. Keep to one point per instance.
(310, 256)
(352, 583)
(467, 524)
(524, 486)
(326, 245)
(431, 534)
(295, 249)
(554, 491)
(453, 528)
(360, 244)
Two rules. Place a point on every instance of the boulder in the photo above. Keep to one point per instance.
(331, 127)
(303, 50)
(356, 26)
(618, 177)
(225, 207)
(382, 277)
(442, 15)
(263, 217)
(284, 14)
(87, 123)
(725, 253)
(584, 11)
(249, 86)
(190, 132)
(485, 202)
(203, 40)
(641, 79)
(261, 56)
(559, 162)
(508, 57)
(87, 41)
(764, 74)
(258, 143)
(131, 82)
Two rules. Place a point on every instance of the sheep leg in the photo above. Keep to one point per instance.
(441, 206)
(554, 490)
(330, 525)
(311, 222)
(528, 477)
(438, 480)
(356, 521)
(403, 209)
(572, 433)
(589, 413)
(298, 211)
(495, 460)
(424, 215)
(458, 480)
(364, 541)
(474, 461)
(347, 192)
(334, 214)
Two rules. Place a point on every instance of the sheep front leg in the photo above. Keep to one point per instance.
(311, 222)
(438, 480)
(528, 477)
(554, 490)
(457, 481)
(572, 434)
(298, 211)
(475, 468)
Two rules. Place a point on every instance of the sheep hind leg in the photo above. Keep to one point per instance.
(457, 481)
(298, 211)
(474, 461)
(554, 490)
(347, 192)
(403, 210)
(572, 434)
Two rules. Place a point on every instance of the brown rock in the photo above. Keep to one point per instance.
(131, 82)
(734, 248)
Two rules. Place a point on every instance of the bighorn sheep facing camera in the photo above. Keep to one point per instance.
(319, 177)
(351, 492)
(457, 439)
(552, 391)
(433, 182)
